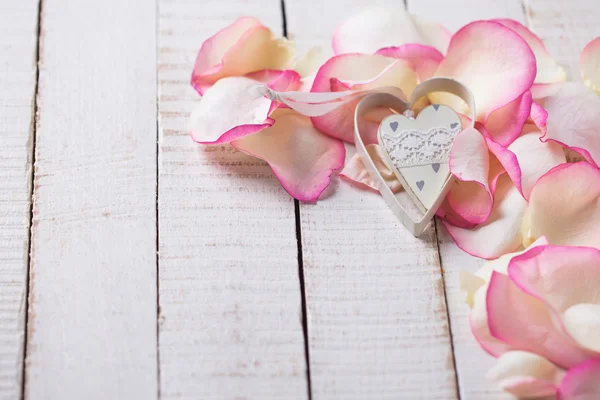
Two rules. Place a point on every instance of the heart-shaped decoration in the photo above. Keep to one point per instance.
(418, 149)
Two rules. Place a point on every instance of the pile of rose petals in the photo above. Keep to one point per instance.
(528, 176)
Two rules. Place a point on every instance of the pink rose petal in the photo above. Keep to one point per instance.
(581, 382)
(524, 323)
(355, 170)
(590, 64)
(374, 28)
(242, 47)
(229, 110)
(301, 157)
(501, 232)
(281, 81)
(525, 375)
(574, 120)
(564, 205)
(359, 72)
(565, 279)
(424, 60)
(493, 61)
(478, 321)
(505, 124)
(548, 71)
(470, 197)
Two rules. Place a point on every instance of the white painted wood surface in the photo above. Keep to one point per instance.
(377, 316)
(92, 308)
(18, 43)
(231, 319)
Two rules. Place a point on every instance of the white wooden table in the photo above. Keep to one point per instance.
(135, 264)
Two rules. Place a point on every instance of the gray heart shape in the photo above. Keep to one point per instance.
(436, 106)
(394, 126)
(420, 185)
(436, 167)
(454, 125)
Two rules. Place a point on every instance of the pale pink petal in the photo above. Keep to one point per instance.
(548, 71)
(359, 72)
(590, 64)
(424, 60)
(281, 81)
(540, 91)
(242, 47)
(478, 321)
(310, 62)
(229, 110)
(470, 196)
(446, 212)
(574, 120)
(501, 232)
(534, 158)
(581, 382)
(355, 170)
(564, 205)
(374, 28)
(525, 323)
(301, 157)
(505, 124)
(525, 375)
(493, 61)
(566, 280)
(508, 160)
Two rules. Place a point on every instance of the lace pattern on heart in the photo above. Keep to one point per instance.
(411, 148)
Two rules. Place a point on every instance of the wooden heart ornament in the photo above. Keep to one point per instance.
(418, 149)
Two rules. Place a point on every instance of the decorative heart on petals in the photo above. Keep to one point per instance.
(418, 149)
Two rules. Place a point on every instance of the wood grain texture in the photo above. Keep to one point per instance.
(377, 318)
(92, 307)
(18, 43)
(230, 304)
(565, 28)
(472, 362)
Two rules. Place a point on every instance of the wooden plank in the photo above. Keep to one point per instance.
(18, 71)
(472, 362)
(230, 304)
(377, 318)
(92, 309)
(565, 28)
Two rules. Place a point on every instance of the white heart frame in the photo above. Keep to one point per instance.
(402, 204)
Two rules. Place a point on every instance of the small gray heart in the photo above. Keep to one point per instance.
(394, 126)
(436, 106)
(454, 125)
(436, 167)
(420, 185)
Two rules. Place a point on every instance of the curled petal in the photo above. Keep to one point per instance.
(534, 158)
(564, 205)
(374, 28)
(581, 382)
(508, 160)
(564, 278)
(574, 120)
(525, 323)
(470, 198)
(355, 170)
(589, 63)
(229, 110)
(243, 47)
(359, 72)
(505, 124)
(500, 233)
(548, 71)
(525, 374)
(301, 157)
(424, 60)
(493, 61)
